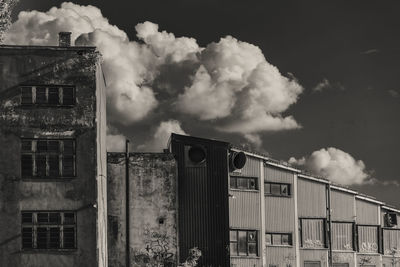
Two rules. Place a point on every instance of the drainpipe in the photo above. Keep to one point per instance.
(127, 250)
(328, 204)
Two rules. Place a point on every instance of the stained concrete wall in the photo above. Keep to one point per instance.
(37, 66)
(152, 205)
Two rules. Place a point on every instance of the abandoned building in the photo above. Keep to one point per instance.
(65, 201)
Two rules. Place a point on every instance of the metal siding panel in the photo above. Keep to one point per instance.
(243, 262)
(367, 212)
(343, 257)
(272, 174)
(251, 168)
(311, 198)
(375, 260)
(281, 256)
(342, 205)
(244, 210)
(314, 255)
(203, 219)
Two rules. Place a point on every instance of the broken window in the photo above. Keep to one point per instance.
(243, 243)
(279, 239)
(48, 95)
(240, 182)
(48, 230)
(277, 189)
(44, 158)
(312, 233)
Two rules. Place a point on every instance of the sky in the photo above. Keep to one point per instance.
(315, 83)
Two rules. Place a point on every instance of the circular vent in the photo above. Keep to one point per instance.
(238, 160)
(197, 154)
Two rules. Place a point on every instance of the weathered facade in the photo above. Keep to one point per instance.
(53, 159)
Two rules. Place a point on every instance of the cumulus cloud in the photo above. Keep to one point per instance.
(162, 135)
(229, 84)
(394, 93)
(321, 85)
(335, 165)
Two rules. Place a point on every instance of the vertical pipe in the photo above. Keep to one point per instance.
(127, 250)
(328, 204)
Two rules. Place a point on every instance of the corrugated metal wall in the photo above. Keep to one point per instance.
(251, 168)
(243, 262)
(281, 256)
(373, 260)
(311, 198)
(344, 257)
(366, 212)
(244, 210)
(342, 205)
(391, 240)
(320, 255)
(203, 219)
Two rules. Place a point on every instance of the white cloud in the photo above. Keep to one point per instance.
(228, 83)
(394, 93)
(321, 85)
(335, 165)
(162, 134)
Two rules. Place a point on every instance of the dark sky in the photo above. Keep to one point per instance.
(353, 44)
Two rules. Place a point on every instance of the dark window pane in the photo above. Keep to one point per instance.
(242, 183)
(276, 239)
(252, 249)
(41, 240)
(41, 95)
(41, 146)
(233, 182)
(27, 237)
(26, 145)
(252, 184)
(54, 98)
(267, 188)
(54, 165)
(69, 147)
(26, 95)
(285, 240)
(233, 236)
(40, 165)
(53, 146)
(275, 189)
(69, 237)
(43, 217)
(252, 236)
(233, 249)
(26, 165)
(68, 96)
(26, 217)
(54, 238)
(284, 190)
(68, 166)
(268, 239)
(242, 243)
(54, 218)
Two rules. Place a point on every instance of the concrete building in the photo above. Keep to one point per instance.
(53, 158)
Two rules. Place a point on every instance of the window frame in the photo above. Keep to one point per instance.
(248, 178)
(289, 234)
(353, 235)
(247, 231)
(47, 103)
(325, 232)
(289, 188)
(61, 225)
(35, 153)
(378, 238)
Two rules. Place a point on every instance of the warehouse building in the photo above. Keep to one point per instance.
(65, 201)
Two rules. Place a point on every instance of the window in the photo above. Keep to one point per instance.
(48, 230)
(391, 241)
(48, 95)
(277, 189)
(278, 239)
(342, 236)
(243, 243)
(312, 264)
(47, 158)
(312, 233)
(239, 182)
(368, 238)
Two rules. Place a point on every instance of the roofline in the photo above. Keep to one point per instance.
(175, 136)
(302, 175)
(390, 208)
(50, 47)
(369, 199)
(339, 188)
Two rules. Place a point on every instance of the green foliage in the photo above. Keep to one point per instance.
(6, 7)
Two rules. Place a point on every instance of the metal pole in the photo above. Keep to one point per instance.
(329, 225)
(127, 248)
